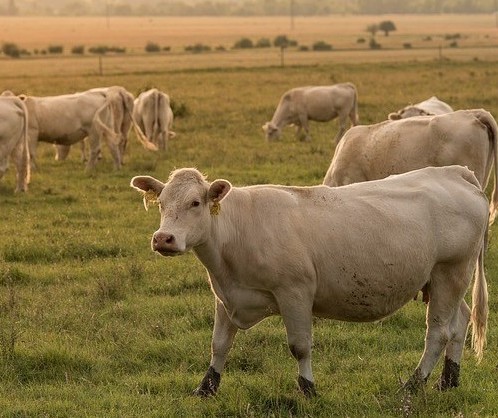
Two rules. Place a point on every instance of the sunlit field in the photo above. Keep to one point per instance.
(93, 324)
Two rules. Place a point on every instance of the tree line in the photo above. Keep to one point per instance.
(240, 7)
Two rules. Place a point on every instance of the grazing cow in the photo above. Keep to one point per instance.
(464, 137)
(431, 106)
(121, 104)
(153, 114)
(67, 119)
(354, 253)
(317, 103)
(14, 139)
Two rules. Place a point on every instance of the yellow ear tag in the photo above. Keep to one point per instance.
(150, 198)
(215, 209)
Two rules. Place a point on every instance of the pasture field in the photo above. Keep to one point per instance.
(93, 324)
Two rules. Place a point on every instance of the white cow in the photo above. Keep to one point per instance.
(121, 115)
(14, 139)
(354, 253)
(464, 137)
(317, 103)
(69, 118)
(152, 111)
(431, 106)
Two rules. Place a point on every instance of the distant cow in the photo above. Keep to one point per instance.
(14, 139)
(121, 108)
(153, 114)
(464, 137)
(69, 118)
(316, 103)
(431, 106)
(354, 253)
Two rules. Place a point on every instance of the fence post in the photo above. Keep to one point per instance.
(101, 72)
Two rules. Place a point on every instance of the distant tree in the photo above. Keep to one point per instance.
(322, 46)
(55, 49)
(281, 41)
(372, 29)
(387, 26)
(263, 43)
(152, 47)
(243, 43)
(11, 50)
(78, 49)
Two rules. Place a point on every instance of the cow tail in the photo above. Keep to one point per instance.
(480, 309)
(156, 129)
(487, 119)
(356, 119)
(25, 151)
(102, 128)
(147, 144)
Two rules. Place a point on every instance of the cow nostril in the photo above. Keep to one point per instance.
(170, 239)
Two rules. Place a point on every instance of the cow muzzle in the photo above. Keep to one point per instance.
(166, 244)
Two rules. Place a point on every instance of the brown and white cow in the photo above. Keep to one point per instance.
(464, 137)
(153, 114)
(431, 106)
(317, 103)
(14, 139)
(354, 253)
(67, 119)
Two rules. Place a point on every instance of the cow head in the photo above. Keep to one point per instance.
(272, 131)
(408, 112)
(187, 202)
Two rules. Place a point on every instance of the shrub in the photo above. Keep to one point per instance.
(166, 48)
(361, 40)
(373, 44)
(55, 49)
(454, 44)
(152, 47)
(11, 50)
(304, 48)
(243, 43)
(263, 43)
(197, 48)
(79, 49)
(98, 49)
(322, 46)
(407, 45)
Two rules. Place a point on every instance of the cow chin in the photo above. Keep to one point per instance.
(169, 253)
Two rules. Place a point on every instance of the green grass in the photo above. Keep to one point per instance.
(93, 324)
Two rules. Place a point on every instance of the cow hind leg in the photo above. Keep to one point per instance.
(451, 369)
(298, 324)
(444, 320)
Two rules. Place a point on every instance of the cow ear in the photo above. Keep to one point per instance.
(218, 190)
(394, 116)
(149, 187)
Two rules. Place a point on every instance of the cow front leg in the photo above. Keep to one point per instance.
(224, 332)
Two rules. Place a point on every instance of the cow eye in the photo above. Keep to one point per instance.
(195, 203)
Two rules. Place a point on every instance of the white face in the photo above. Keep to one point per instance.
(184, 219)
(271, 131)
(412, 111)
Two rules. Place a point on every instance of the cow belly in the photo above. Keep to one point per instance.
(68, 138)
(247, 307)
(369, 294)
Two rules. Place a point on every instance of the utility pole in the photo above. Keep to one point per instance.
(292, 14)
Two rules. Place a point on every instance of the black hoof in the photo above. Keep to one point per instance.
(209, 385)
(450, 378)
(307, 387)
(414, 383)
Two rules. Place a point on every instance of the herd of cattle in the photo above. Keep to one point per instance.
(411, 216)
(100, 115)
